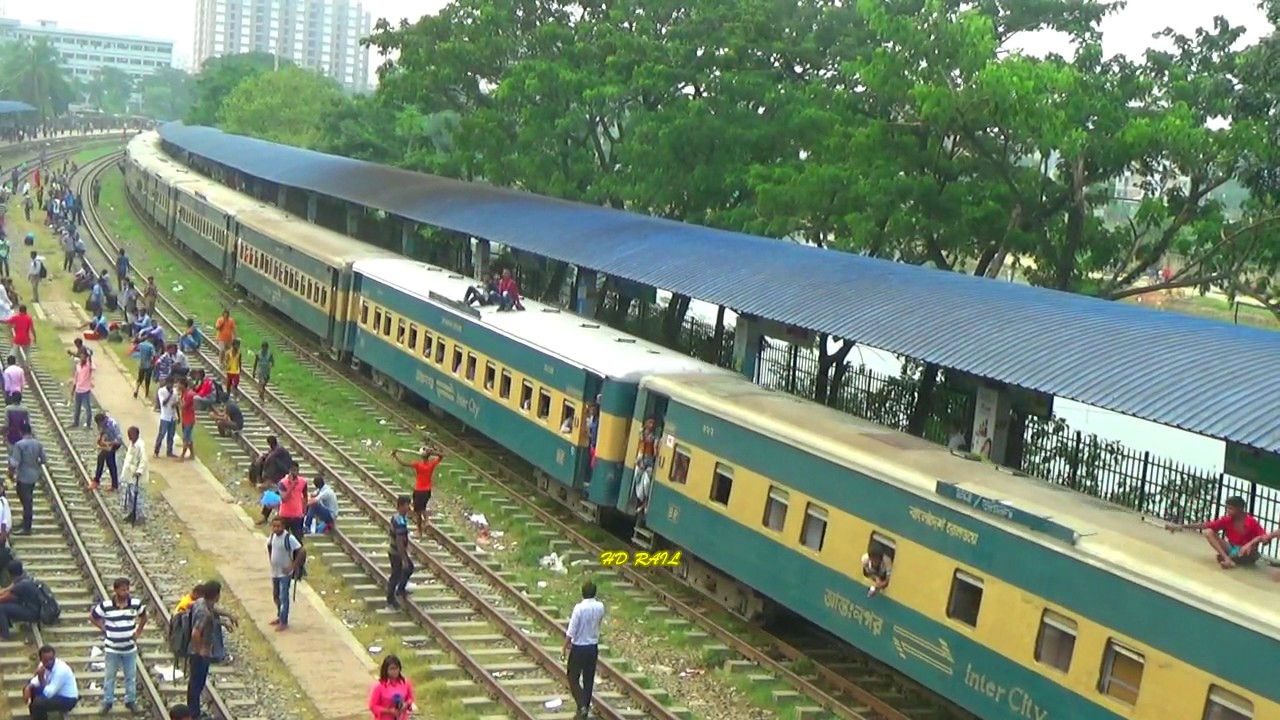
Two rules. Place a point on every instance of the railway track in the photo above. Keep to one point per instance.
(488, 630)
(845, 683)
(79, 547)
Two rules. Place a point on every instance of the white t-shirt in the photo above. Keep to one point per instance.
(168, 403)
(886, 567)
(6, 514)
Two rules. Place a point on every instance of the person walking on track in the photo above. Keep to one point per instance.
(401, 564)
(424, 472)
(109, 441)
(135, 474)
(226, 331)
(582, 647)
(24, 332)
(263, 363)
(26, 459)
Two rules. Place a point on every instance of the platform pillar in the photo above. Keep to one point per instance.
(480, 259)
(353, 219)
(586, 294)
(282, 197)
(311, 207)
(409, 239)
(992, 410)
(747, 337)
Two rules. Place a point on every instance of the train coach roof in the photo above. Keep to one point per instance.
(332, 248)
(1112, 537)
(575, 339)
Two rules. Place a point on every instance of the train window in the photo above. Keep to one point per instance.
(544, 404)
(1121, 673)
(324, 296)
(722, 484)
(457, 359)
(568, 414)
(814, 531)
(1057, 641)
(504, 390)
(490, 372)
(966, 598)
(526, 395)
(364, 313)
(882, 544)
(775, 509)
(1226, 705)
(440, 350)
(427, 341)
(386, 324)
(471, 367)
(679, 466)
(401, 329)
(413, 336)
(377, 319)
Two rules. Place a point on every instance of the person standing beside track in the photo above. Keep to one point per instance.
(582, 647)
(424, 473)
(110, 439)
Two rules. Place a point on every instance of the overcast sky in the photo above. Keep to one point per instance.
(1129, 32)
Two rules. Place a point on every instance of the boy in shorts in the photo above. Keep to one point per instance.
(1234, 537)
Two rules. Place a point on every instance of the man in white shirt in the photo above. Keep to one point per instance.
(582, 647)
(6, 525)
(135, 474)
(167, 401)
(33, 275)
(53, 689)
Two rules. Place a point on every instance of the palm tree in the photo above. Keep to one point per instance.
(31, 71)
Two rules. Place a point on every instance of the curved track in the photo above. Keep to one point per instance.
(495, 633)
(845, 683)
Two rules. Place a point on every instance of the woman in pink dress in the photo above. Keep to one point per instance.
(392, 695)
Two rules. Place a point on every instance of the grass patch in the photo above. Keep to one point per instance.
(1219, 309)
(329, 404)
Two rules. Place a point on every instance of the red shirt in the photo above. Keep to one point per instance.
(424, 470)
(22, 326)
(509, 286)
(292, 496)
(189, 408)
(1238, 534)
(206, 387)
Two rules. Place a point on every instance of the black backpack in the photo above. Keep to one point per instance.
(180, 634)
(49, 611)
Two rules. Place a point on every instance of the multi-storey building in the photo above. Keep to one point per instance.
(84, 53)
(322, 35)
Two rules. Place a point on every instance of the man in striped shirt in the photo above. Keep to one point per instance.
(121, 619)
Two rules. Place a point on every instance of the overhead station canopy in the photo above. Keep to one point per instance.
(13, 106)
(1200, 375)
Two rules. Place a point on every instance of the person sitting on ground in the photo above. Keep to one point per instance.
(228, 418)
(20, 602)
(97, 329)
(322, 508)
(151, 331)
(202, 384)
(1234, 537)
(191, 338)
(509, 290)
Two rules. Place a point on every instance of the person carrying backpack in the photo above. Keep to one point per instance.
(286, 556)
(25, 601)
(196, 636)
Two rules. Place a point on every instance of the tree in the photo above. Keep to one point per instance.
(166, 94)
(110, 90)
(219, 77)
(287, 106)
(31, 72)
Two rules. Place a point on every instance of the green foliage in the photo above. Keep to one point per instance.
(219, 77)
(287, 106)
(167, 94)
(110, 90)
(30, 73)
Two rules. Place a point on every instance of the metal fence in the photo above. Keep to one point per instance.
(1156, 486)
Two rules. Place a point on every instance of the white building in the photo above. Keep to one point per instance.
(322, 35)
(84, 53)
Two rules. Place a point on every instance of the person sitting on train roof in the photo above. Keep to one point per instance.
(485, 294)
(877, 567)
(1234, 537)
(509, 290)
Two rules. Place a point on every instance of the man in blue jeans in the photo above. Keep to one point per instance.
(167, 402)
(286, 555)
(206, 641)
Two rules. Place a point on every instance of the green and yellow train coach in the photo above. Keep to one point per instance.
(1013, 597)
(528, 379)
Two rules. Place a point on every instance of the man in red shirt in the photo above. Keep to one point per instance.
(293, 501)
(187, 414)
(509, 293)
(24, 331)
(1235, 537)
(424, 472)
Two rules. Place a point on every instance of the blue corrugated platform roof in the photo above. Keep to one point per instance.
(1204, 376)
(14, 106)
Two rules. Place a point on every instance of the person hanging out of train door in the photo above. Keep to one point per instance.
(1234, 537)
(645, 460)
(424, 473)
